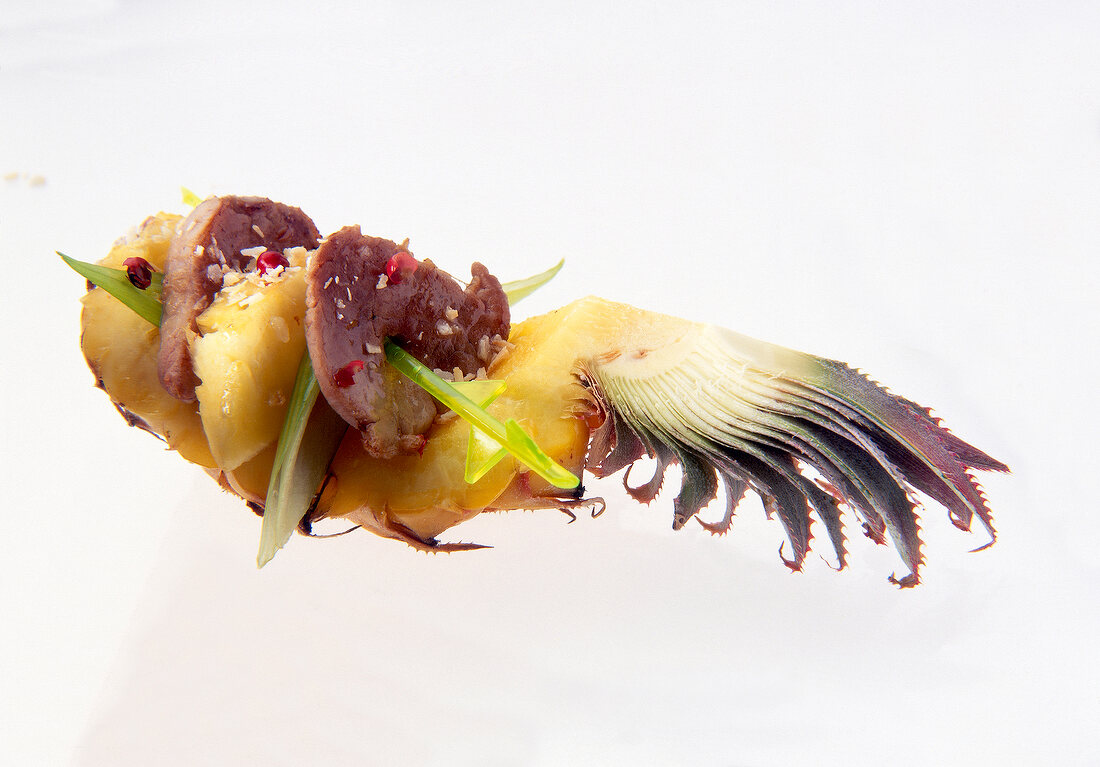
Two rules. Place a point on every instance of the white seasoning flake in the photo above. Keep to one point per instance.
(257, 230)
(373, 349)
(443, 329)
(229, 279)
(481, 374)
(252, 252)
(282, 332)
(340, 303)
(382, 281)
(451, 313)
(458, 375)
(199, 250)
(483, 350)
(213, 273)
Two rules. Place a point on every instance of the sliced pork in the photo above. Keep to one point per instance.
(210, 241)
(362, 290)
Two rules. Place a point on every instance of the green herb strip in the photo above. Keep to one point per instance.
(508, 435)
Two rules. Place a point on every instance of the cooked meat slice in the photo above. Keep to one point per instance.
(213, 237)
(352, 306)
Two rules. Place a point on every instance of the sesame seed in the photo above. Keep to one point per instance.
(257, 230)
(327, 283)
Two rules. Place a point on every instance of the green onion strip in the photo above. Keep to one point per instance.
(508, 435)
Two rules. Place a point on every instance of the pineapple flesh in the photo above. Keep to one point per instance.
(246, 356)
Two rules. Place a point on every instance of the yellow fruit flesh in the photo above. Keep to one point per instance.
(121, 349)
(247, 357)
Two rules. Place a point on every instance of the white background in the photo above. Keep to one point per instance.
(914, 188)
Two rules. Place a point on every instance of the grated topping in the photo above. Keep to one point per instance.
(282, 332)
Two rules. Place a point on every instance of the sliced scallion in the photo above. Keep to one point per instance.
(517, 290)
(190, 199)
(145, 302)
(509, 435)
(310, 436)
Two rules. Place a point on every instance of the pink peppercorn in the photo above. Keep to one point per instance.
(345, 376)
(400, 266)
(270, 259)
(139, 272)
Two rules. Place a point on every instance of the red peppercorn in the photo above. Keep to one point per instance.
(139, 272)
(400, 266)
(345, 376)
(270, 259)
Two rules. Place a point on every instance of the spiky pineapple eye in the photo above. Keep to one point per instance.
(271, 259)
(345, 376)
(139, 272)
(400, 266)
